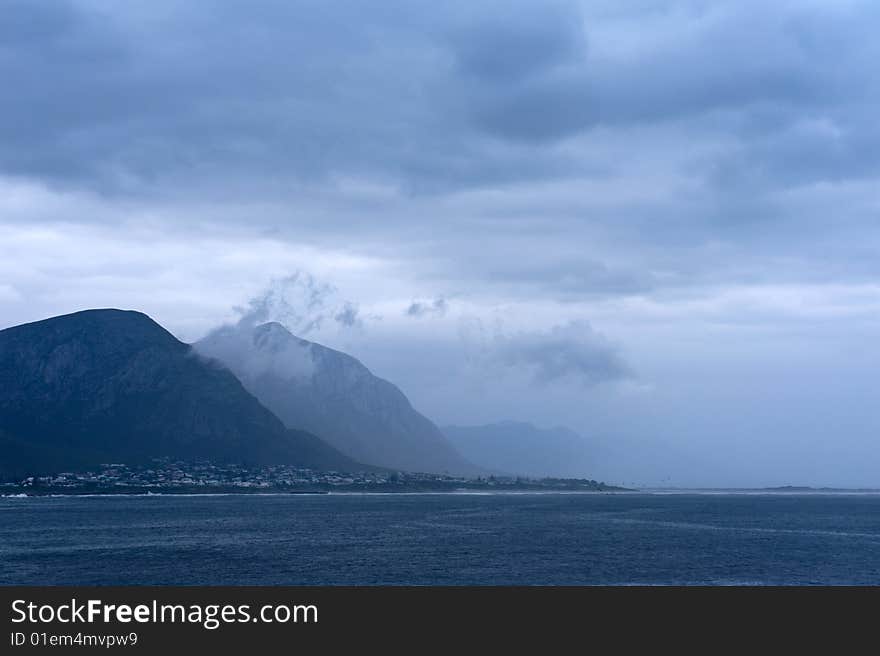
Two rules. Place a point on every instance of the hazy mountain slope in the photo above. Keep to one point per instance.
(521, 448)
(332, 394)
(105, 385)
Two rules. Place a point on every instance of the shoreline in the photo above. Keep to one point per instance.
(463, 492)
(56, 495)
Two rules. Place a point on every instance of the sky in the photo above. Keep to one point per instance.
(654, 221)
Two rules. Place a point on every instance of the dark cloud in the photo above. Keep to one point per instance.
(706, 61)
(348, 315)
(423, 96)
(525, 40)
(34, 23)
(815, 149)
(436, 307)
(565, 353)
(611, 143)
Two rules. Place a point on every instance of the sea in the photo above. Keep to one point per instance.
(684, 538)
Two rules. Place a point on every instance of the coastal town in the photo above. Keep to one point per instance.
(174, 476)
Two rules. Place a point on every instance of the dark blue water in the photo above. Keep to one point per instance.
(442, 539)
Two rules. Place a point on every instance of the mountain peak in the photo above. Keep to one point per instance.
(91, 316)
(276, 335)
(273, 327)
(114, 386)
(110, 328)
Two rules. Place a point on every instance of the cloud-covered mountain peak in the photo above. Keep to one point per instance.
(273, 335)
(310, 385)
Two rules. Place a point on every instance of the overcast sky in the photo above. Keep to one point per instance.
(653, 221)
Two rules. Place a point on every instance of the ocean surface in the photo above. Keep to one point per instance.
(452, 539)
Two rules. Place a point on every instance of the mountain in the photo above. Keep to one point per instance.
(114, 386)
(521, 448)
(332, 394)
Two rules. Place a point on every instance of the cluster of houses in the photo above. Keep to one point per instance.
(175, 475)
(164, 473)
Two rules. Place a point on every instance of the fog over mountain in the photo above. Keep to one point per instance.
(523, 449)
(333, 395)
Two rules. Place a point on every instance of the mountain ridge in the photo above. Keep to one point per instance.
(333, 394)
(108, 384)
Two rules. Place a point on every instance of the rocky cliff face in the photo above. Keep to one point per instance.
(113, 385)
(332, 394)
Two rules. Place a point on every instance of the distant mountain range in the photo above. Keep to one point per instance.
(333, 395)
(109, 385)
(114, 386)
(523, 449)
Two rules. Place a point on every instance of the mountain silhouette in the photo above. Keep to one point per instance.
(114, 386)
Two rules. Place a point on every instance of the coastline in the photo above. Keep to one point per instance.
(759, 492)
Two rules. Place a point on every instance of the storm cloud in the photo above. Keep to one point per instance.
(418, 309)
(573, 351)
(447, 96)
